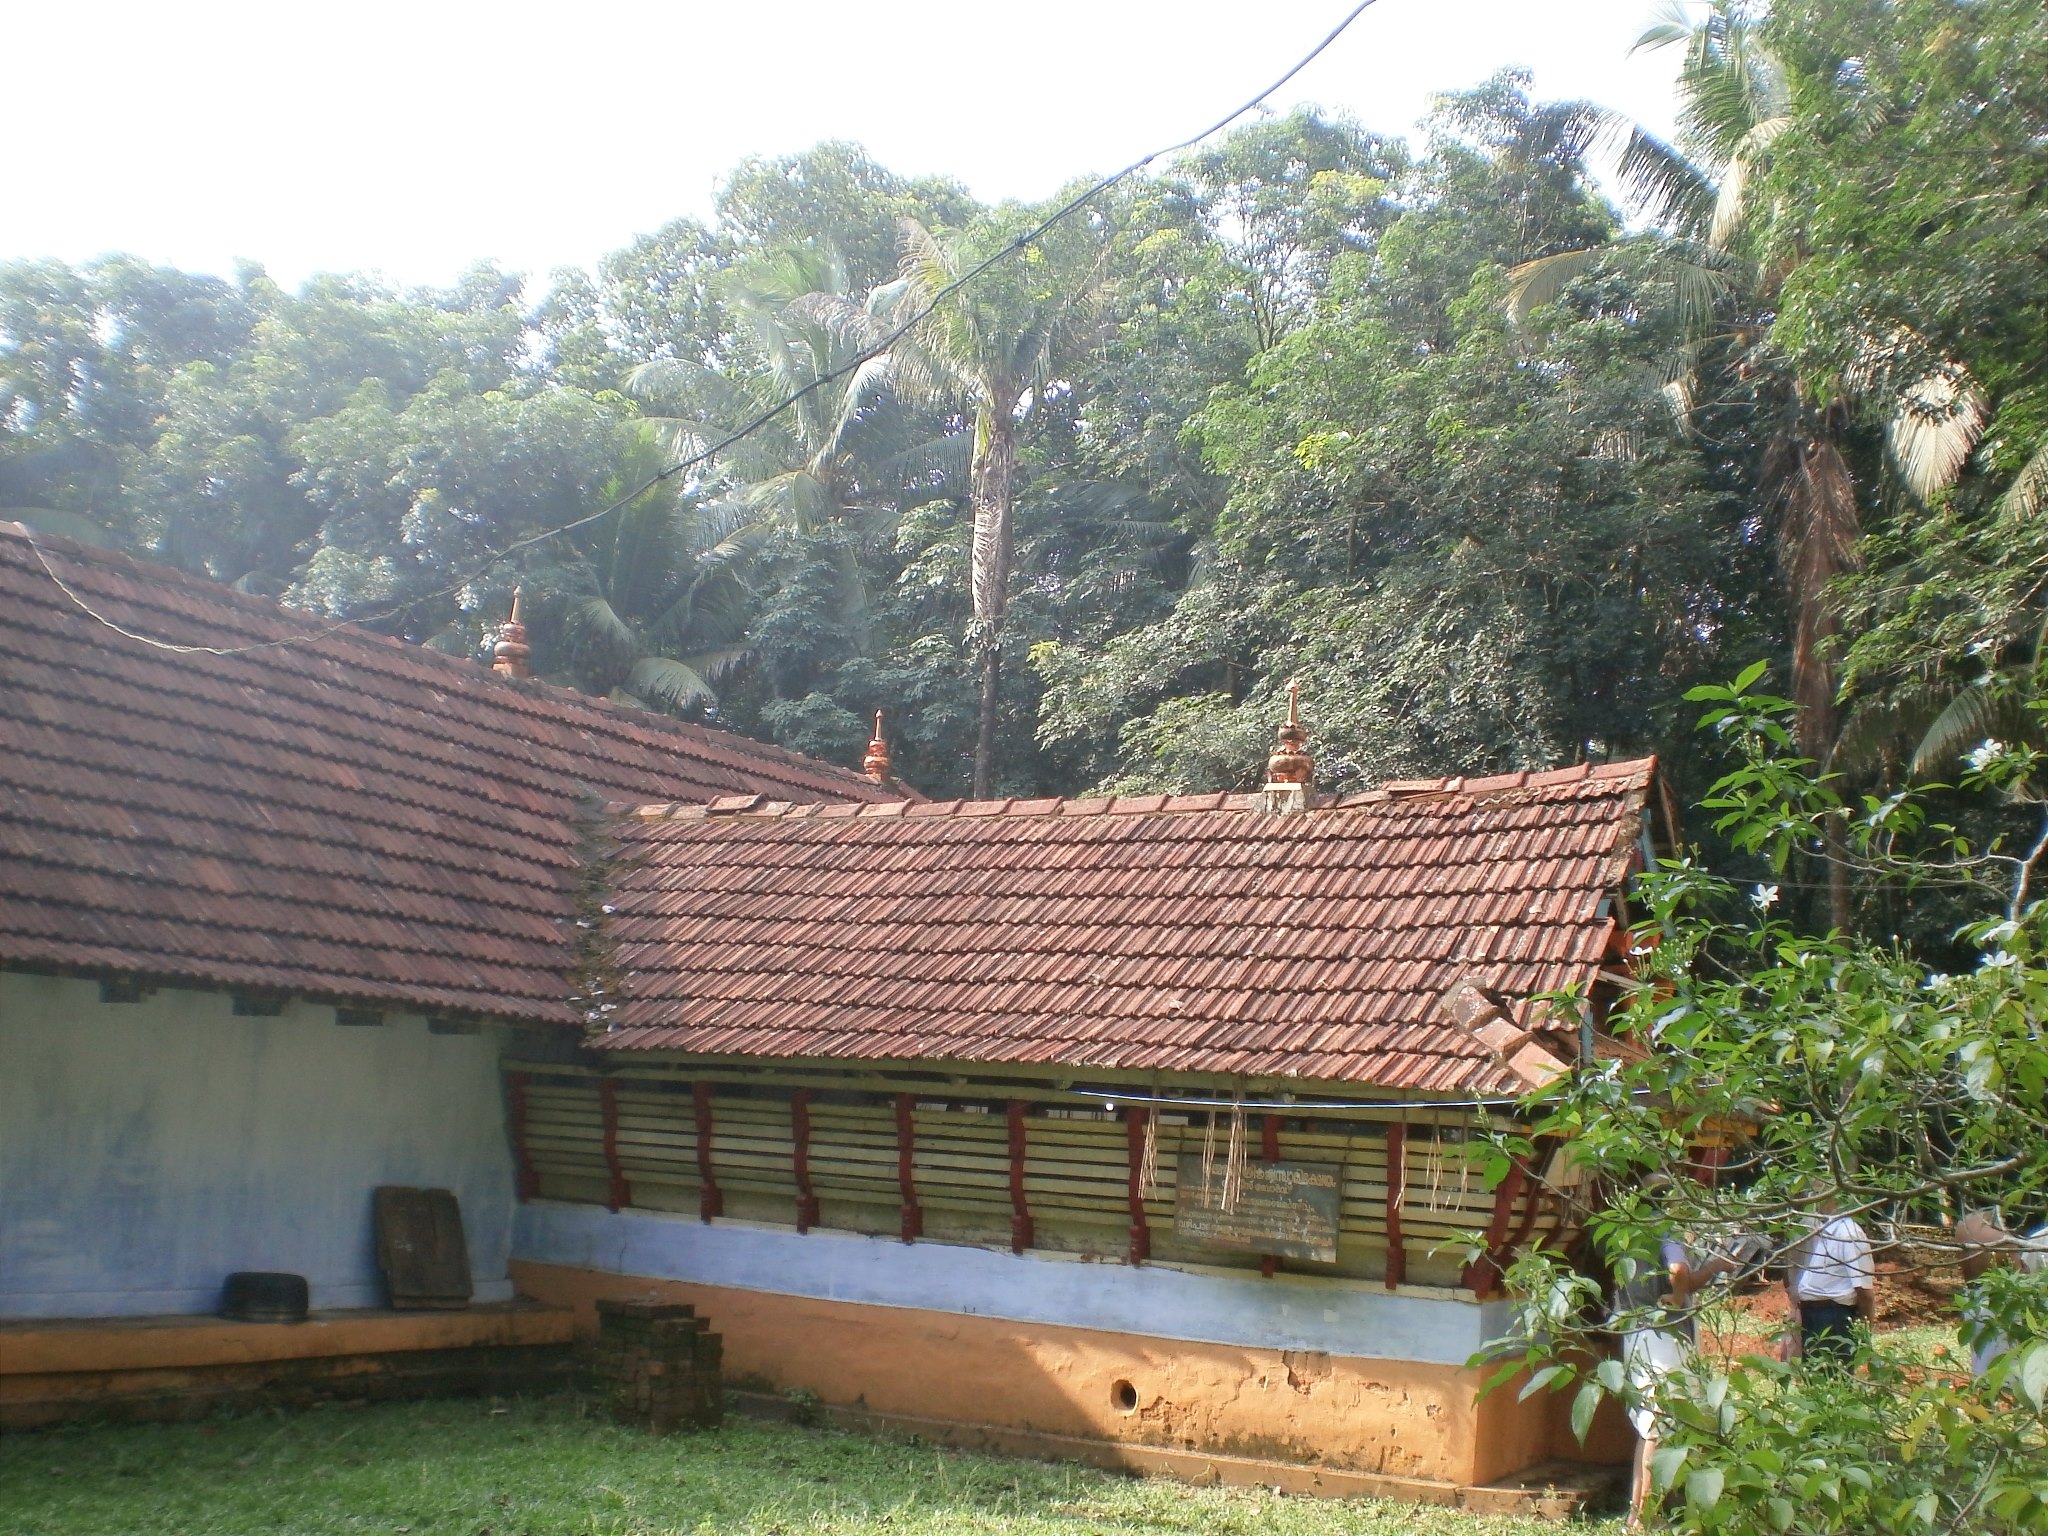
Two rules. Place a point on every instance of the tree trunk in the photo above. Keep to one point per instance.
(985, 724)
(995, 468)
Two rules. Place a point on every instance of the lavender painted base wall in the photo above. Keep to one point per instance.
(149, 1149)
(1286, 1312)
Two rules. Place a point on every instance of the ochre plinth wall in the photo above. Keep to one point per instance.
(1394, 1418)
(179, 1367)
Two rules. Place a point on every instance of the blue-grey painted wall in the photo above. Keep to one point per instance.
(1359, 1319)
(149, 1149)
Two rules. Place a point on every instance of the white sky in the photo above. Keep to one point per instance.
(415, 139)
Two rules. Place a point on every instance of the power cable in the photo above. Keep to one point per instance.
(756, 423)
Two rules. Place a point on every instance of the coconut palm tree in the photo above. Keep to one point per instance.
(1734, 104)
(651, 605)
(845, 455)
(994, 349)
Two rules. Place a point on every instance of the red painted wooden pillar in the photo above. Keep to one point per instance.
(1397, 1191)
(522, 1157)
(906, 1176)
(617, 1192)
(800, 1133)
(1141, 1233)
(1705, 1164)
(1483, 1274)
(710, 1203)
(1021, 1232)
(1539, 1156)
(1269, 1152)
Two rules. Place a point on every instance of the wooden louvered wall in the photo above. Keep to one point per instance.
(713, 1145)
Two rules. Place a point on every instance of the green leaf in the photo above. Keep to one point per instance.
(1781, 1513)
(1664, 1466)
(2033, 1376)
(1703, 1487)
(1540, 1380)
(1583, 1407)
(1749, 675)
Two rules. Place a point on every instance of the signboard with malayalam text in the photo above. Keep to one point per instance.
(1289, 1209)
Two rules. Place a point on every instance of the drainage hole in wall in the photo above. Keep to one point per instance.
(1123, 1397)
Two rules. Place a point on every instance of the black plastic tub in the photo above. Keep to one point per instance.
(261, 1296)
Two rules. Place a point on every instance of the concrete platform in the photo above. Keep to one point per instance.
(180, 1366)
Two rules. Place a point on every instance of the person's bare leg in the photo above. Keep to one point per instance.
(1639, 1481)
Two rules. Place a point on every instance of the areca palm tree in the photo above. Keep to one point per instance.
(994, 348)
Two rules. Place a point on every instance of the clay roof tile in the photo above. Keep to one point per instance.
(321, 810)
(1186, 933)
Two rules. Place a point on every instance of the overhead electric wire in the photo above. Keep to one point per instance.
(754, 424)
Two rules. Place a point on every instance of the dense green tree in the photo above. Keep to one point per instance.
(1476, 546)
(88, 357)
(1874, 1082)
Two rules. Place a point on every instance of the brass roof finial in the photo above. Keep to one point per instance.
(876, 764)
(510, 654)
(1290, 762)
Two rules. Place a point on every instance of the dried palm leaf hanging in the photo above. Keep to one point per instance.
(1209, 1163)
(1233, 1163)
(1148, 1159)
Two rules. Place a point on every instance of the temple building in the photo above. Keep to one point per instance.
(1149, 1129)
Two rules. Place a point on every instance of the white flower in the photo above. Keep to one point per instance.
(1984, 754)
(1764, 897)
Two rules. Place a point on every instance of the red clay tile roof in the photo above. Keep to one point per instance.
(354, 818)
(1183, 934)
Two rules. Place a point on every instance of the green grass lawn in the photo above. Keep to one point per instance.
(476, 1468)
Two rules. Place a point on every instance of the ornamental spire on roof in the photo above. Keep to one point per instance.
(1290, 771)
(510, 654)
(876, 764)
(1290, 762)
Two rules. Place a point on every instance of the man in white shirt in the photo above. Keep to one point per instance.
(1830, 1282)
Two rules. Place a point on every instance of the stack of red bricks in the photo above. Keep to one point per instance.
(658, 1365)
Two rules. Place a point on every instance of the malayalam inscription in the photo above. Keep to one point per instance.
(1285, 1208)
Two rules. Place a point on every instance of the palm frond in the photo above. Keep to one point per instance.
(666, 680)
(1729, 83)
(592, 622)
(1990, 709)
(796, 498)
(1663, 185)
(1536, 283)
(2027, 497)
(1937, 422)
(1876, 725)
(1681, 396)
(934, 461)
(1821, 523)
(1731, 197)
(1699, 287)
(669, 378)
